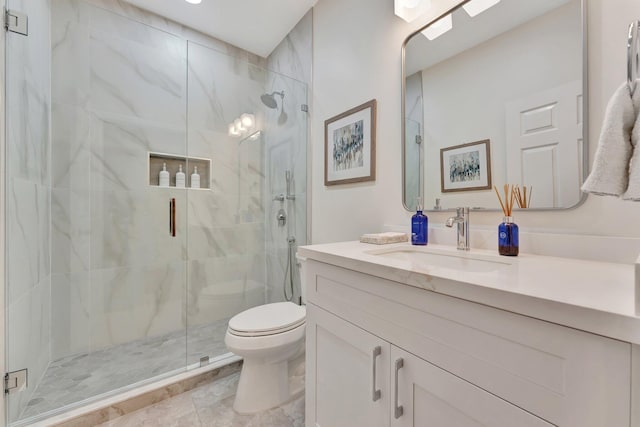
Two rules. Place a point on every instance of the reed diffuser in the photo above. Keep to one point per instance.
(508, 231)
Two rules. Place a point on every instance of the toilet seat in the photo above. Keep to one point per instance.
(268, 319)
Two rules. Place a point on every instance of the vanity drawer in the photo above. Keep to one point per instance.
(565, 376)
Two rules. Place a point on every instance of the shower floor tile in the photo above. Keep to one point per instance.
(76, 378)
(211, 405)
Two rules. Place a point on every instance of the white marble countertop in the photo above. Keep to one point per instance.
(597, 297)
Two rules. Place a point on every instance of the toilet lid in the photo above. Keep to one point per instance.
(268, 319)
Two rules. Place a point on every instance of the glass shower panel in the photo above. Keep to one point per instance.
(28, 193)
(412, 161)
(233, 130)
(96, 277)
(226, 216)
(285, 139)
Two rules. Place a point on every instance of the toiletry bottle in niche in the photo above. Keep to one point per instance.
(195, 178)
(180, 177)
(164, 176)
(419, 224)
(508, 237)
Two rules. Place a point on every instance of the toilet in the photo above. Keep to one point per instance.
(267, 337)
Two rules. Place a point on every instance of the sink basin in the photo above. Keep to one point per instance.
(424, 258)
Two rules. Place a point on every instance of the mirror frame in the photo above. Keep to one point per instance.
(585, 118)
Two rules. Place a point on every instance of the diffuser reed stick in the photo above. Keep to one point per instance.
(510, 198)
(521, 197)
(500, 200)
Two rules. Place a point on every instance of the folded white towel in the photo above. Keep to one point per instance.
(384, 238)
(610, 172)
(633, 188)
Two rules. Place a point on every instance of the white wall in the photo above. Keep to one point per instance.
(357, 57)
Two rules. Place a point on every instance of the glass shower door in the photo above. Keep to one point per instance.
(226, 215)
(248, 124)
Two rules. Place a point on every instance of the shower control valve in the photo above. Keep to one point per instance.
(281, 216)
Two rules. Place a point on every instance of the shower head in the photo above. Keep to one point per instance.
(269, 100)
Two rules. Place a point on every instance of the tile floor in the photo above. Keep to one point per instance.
(82, 376)
(211, 405)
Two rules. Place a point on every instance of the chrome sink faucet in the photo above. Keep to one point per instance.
(462, 219)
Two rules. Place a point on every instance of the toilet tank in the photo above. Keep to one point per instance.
(303, 277)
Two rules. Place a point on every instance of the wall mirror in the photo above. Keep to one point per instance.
(493, 93)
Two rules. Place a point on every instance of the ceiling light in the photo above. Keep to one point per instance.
(238, 125)
(476, 7)
(194, 1)
(438, 28)
(409, 10)
(248, 120)
(233, 131)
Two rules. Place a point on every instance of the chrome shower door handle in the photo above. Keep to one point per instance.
(172, 217)
(376, 393)
(399, 410)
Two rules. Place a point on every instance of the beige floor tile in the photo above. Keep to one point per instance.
(211, 405)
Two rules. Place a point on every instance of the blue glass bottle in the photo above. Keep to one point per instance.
(508, 244)
(419, 225)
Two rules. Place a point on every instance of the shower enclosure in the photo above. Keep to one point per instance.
(111, 280)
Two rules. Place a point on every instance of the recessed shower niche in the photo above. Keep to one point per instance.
(173, 162)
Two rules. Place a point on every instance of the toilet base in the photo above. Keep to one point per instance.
(262, 386)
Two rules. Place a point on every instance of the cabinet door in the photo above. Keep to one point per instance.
(347, 373)
(430, 396)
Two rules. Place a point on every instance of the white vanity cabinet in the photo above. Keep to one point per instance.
(353, 386)
(450, 362)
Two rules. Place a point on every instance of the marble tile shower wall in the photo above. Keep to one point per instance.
(28, 191)
(287, 150)
(119, 91)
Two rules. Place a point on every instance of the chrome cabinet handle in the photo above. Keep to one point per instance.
(399, 410)
(376, 393)
(172, 217)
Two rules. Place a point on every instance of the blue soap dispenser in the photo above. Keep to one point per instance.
(419, 223)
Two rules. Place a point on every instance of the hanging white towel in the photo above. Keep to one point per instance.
(610, 172)
(633, 188)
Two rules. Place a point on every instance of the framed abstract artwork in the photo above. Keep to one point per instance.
(350, 146)
(466, 167)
